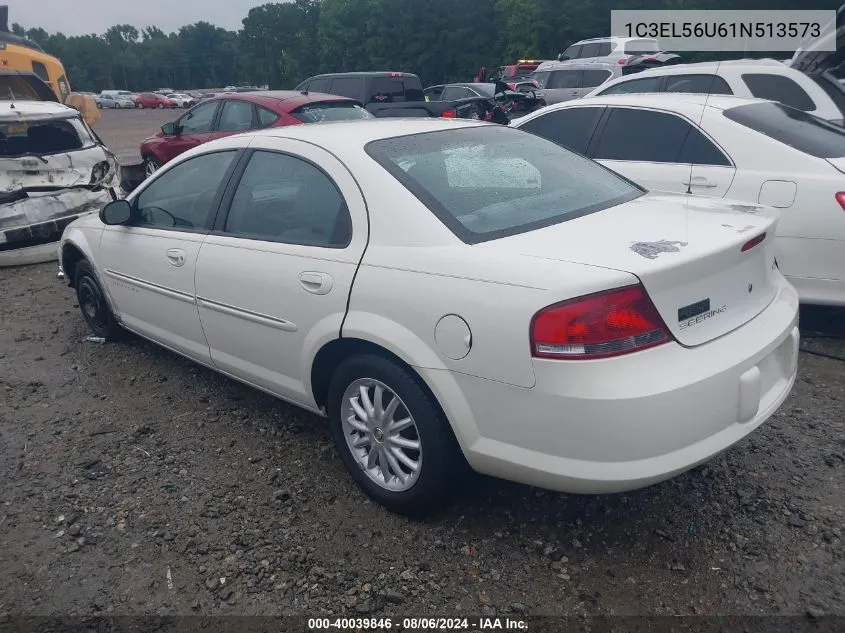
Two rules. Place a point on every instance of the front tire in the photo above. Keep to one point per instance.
(140, 106)
(93, 304)
(392, 435)
(160, 106)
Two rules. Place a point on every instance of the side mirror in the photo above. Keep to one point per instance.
(170, 129)
(562, 57)
(116, 212)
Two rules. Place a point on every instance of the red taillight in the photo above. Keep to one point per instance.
(753, 242)
(449, 114)
(840, 198)
(622, 61)
(598, 326)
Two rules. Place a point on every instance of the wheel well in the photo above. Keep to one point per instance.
(71, 256)
(335, 352)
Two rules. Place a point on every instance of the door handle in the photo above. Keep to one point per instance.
(175, 256)
(316, 283)
(700, 182)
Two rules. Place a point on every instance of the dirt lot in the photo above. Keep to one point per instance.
(139, 483)
(123, 130)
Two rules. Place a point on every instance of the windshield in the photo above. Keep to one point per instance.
(39, 138)
(796, 128)
(337, 111)
(488, 182)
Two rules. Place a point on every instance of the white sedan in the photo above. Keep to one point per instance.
(449, 292)
(181, 100)
(759, 152)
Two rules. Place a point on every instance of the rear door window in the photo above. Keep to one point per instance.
(571, 127)
(697, 84)
(642, 136)
(396, 89)
(452, 93)
(593, 78)
(590, 50)
(802, 131)
(646, 84)
(236, 116)
(779, 88)
(565, 79)
(347, 87)
(604, 49)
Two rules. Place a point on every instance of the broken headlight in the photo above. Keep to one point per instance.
(100, 172)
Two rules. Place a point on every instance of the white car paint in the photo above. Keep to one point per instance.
(811, 233)
(261, 311)
(732, 71)
(39, 195)
(182, 100)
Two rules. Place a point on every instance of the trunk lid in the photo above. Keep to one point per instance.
(686, 251)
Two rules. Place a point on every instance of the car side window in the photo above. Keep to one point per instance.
(435, 93)
(266, 117)
(181, 197)
(282, 198)
(235, 116)
(697, 84)
(565, 79)
(198, 120)
(700, 150)
(604, 49)
(571, 127)
(642, 136)
(593, 78)
(590, 50)
(779, 88)
(455, 92)
(347, 87)
(573, 52)
(317, 85)
(646, 84)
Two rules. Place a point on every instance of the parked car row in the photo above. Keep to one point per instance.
(125, 99)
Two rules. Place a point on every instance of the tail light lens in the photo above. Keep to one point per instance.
(598, 326)
(449, 114)
(840, 198)
(622, 61)
(754, 241)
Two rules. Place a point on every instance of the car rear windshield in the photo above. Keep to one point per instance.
(489, 182)
(338, 111)
(396, 89)
(39, 138)
(796, 128)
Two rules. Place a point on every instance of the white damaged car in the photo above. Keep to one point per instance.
(53, 169)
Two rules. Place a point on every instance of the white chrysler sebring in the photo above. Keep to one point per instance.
(451, 292)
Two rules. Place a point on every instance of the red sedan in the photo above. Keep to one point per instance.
(238, 112)
(152, 100)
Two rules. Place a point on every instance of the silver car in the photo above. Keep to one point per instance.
(615, 50)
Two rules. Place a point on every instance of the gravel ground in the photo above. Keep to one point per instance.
(123, 130)
(139, 483)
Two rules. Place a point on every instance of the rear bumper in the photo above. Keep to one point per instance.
(619, 424)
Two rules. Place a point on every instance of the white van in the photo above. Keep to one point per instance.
(563, 81)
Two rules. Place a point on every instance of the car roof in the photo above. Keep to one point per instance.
(364, 73)
(733, 64)
(682, 103)
(285, 100)
(575, 64)
(612, 38)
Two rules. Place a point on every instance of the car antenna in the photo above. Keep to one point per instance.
(700, 121)
(12, 96)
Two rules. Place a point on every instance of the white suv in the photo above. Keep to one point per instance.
(617, 50)
(760, 78)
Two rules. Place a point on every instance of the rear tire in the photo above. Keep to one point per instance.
(160, 106)
(93, 304)
(140, 106)
(388, 429)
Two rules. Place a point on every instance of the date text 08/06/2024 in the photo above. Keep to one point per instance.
(418, 624)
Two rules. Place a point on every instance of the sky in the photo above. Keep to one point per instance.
(81, 17)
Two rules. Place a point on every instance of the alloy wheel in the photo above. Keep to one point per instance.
(381, 434)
